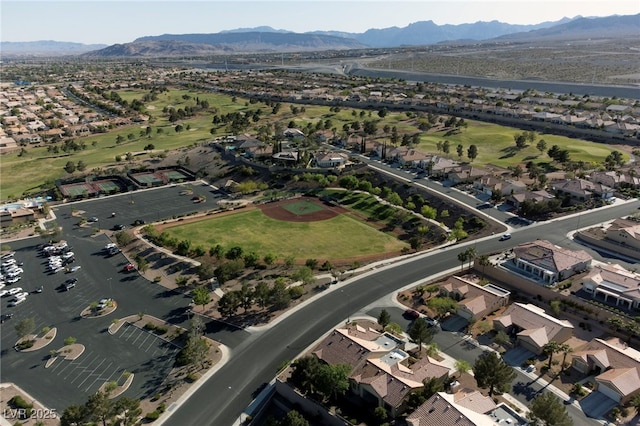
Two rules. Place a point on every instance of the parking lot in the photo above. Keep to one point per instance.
(106, 356)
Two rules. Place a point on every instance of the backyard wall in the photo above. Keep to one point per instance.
(309, 407)
(607, 245)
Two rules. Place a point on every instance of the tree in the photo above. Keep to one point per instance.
(100, 408)
(196, 351)
(143, 265)
(462, 258)
(502, 338)
(550, 349)
(460, 150)
(201, 296)
(70, 167)
(420, 333)
(492, 372)
(25, 327)
(304, 274)
(566, 350)
(384, 318)
(462, 366)
(128, 411)
(82, 166)
(541, 145)
(442, 305)
(73, 415)
(472, 152)
(332, 380)
(547, 410)
(294, 418)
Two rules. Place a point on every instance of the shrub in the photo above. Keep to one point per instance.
(152, 416)
(19, 402)
(26, 344)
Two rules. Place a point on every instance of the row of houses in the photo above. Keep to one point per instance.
(384, 375)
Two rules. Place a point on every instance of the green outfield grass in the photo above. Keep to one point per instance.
(337, 238)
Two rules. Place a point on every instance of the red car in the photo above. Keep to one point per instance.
(128, 267)
(410, 313)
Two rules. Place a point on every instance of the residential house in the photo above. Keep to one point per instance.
(287, 157)
(261, 151)
(438, 167)
(624, 232)
(474, 301)
(549, 263)
(612, 281)
(490, 184)
(330, 159)
(465, 174)
(581, 190)
(441, 410)
(517, 199)
(615, 364)
(293, 134)
(413, 159)
(30, 138)
(388, 380)
(380, 373)
(532, 326)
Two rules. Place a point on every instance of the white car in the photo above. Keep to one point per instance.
(4, 292)
(16, 302)
(14, 291)
(103, 303)
(67, 255)
(75, 268)
(14, 280)
(15, 271)
(22, 295)
(7, 256)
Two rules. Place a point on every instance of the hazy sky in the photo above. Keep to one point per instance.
(110, 22)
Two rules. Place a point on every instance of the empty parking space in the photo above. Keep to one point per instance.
(146, 341)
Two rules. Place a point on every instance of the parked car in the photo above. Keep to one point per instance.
(5, 317)
(410, 313)
(14, 303)
(4, 292)
(103, 303)
(21, 295)
(119, 227)
(14, 291)
(7, 256)
(69, 286)
(13, 280)
(139, 222)
(128, 267)
(92, 219)
(74, 269)
(505, 237)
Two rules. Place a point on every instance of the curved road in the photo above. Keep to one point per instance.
(222, 399)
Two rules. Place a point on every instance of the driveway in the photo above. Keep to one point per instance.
(597, 404)
(517, 356)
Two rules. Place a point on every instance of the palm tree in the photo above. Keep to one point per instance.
(484, 261)
(551, 348)
(462, 366)
(471, 254)
(566, 350)
(462, 257)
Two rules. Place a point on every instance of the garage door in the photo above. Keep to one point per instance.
(603, 388)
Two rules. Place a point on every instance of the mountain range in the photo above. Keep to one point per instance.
(269, 40)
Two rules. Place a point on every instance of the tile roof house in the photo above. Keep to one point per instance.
(389, 379)
(517, 199)
(615, 364)
(624, 232)
(489, 184)
(474, 301)
(443, 409)
(612, 281)
(331, 159)
(548, 263)
(380, 372)
(580, 190)
(532, 326)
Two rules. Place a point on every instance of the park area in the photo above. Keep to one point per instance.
(303, 229)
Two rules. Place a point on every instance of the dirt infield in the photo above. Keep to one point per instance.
(276, 211)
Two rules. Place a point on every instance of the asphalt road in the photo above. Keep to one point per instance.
(221, 400)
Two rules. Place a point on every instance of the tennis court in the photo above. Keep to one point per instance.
(148, 179)
(75, 190)
(173, 175)
(106, 186)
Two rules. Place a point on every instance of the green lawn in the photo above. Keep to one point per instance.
(27, 173)
(337, 238)
(496, 145)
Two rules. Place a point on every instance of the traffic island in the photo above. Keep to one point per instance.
(95, 311)
(69, 352)
(33, 342)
